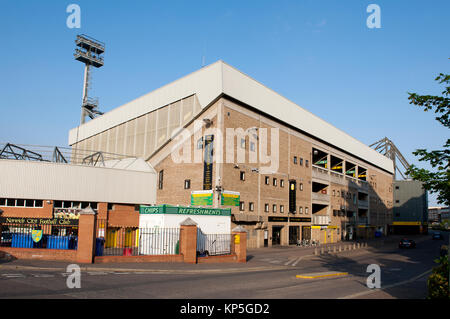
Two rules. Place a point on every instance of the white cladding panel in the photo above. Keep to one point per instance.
(205, 83)
(52, 181)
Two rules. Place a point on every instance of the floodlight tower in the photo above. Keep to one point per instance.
(89, 52)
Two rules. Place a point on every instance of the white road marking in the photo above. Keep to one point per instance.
(13, 275)
(42, 275)
(386, 287)
(290, 261)
(297, 261)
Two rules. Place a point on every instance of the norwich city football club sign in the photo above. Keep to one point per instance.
(36, 235)
(229, 198)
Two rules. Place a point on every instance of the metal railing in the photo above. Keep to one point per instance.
(214, 244)
(38, 233)
(133, 241)
(57, 154)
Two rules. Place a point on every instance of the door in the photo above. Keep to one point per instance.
(306, 232)
(294, 234)
(276, 235)
(266, 238)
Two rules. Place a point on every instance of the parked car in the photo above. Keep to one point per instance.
(437, 235)
(407, 243)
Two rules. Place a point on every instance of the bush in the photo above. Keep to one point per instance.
(438, 281)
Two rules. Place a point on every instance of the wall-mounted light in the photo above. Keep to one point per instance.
(208, 122)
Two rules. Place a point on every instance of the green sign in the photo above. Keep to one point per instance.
(181, 210)
(228, 198)
(202, 198)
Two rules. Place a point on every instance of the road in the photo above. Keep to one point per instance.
(269, 274)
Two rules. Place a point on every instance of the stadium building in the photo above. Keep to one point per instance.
(219, 138)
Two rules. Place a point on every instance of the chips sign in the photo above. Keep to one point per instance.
(228, 198)
(202, 198)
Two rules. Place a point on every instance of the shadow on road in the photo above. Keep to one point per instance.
(397, 265)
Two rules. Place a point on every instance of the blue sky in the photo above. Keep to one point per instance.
(319, 54)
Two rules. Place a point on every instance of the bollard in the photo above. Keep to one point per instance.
(354, 247)
(340, 248)
(334, 249)
(315, 251)
(358, 245)
(321, 250)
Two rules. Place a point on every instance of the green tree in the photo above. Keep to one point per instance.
(437, 181)
(438, 281)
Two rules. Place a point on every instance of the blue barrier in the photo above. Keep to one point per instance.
(22, 241)
(57, 242)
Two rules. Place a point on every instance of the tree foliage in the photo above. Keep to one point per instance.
(438, 281)
(437, 181)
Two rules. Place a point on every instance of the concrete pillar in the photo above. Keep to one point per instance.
(86, 236)
(240, 243)
(188, 241)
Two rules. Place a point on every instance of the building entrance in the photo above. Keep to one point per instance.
(294, 234)
(276, 235)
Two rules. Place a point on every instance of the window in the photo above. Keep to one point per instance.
(187, 183)
(397, 201)
(251, 206)
(266, 208)
(301, 186)
(20, 203)
(281, 182)
(242, 142)
(200, 143)
(281, 208)
(241, 206)
(267, 180)
(274, 182)
(306, 163)
(396, 187)
(274, 208)
(334, 192)
(161, 177)
(13, 202)
(300, 210)
(252, 146)
(110, 206)
(295, 159)
(242, 176)
(306, 210)
(301, 161)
